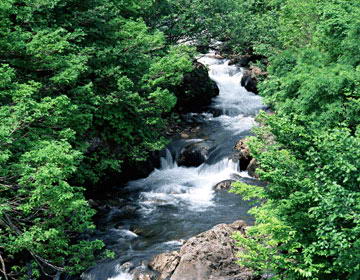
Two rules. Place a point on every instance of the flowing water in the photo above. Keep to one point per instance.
(175, 203)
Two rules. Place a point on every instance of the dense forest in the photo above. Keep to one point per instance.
(89, 87)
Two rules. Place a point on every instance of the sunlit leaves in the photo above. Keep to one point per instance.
(308, 151)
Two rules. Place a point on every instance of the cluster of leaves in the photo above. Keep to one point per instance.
(193, 20)
(84, 85)
(308, 223)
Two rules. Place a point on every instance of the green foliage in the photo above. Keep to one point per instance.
(84, 87)
(308, 224)
(248, 192)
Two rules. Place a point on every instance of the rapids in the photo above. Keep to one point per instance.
(174, 203)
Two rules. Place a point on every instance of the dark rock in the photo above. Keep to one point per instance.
(244, 60)
(196, 90)
(223, 185)
(251, 77)
(141, 169)
(251, 169)
(195, 154)
(243, 154)
(209, 255)
(202, 48)
(249, 81)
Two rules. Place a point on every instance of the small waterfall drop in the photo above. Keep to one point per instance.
(168, 161)
(176, 202)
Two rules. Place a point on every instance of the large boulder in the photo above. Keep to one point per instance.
(249, 81)
(211, 255)
(196, 90)
(251, 77)
(195, 154)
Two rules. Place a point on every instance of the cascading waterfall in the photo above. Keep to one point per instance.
(176, 202)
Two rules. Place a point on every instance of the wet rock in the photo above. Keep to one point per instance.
(126, 267)
(133, 170)
(127, 211)
(165, 263)
(195, 154)
(243, 154)
(196, 90)
(223, 185)
(184, 135)
(249, 81)
(251, 77)
(144, 273)
(137, 230)
(251, 168)
(209, 255)
(244, 60)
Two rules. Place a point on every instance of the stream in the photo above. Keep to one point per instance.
(174, 202)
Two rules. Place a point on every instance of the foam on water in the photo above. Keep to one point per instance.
(193, 187)
(176, 202)
(122, 276)
(233, 98)
(174, 185)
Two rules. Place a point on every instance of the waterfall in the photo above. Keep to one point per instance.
(176, 202)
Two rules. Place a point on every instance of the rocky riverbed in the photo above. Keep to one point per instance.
(182, 198)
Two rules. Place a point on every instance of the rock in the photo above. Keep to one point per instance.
(144, 273)
(250, 78)
(256, 71)
(243, 154)
(137, 230)
(196, 90)
(251, 169)
(249, 82)
(184, 135)
(165, 263)
(223, 185)
(145, 277)
(126, 267)
(244, 60)
(140, 169)
(209, 255)
(195, 154)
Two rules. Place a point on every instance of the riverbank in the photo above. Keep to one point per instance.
(178, 200)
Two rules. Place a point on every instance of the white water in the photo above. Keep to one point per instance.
(177, 202)
(186, 186)
(121, 276)
(192, 187)
(233, 100)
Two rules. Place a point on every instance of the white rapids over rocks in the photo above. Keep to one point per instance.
(192, 186)
(176, 202)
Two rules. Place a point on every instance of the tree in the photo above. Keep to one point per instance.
(84, 87)
(307, 223)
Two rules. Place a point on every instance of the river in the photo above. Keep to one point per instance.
(175, 203)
